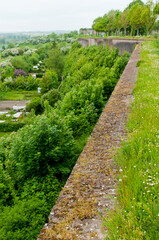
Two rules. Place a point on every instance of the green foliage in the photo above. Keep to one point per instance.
(20, 63)
(48, 141)
(10, 126)
(52, 96)
(48, 81)
(55, 61)
(134, 2)
(36, 105)
(24, 219)
(137, 18)
(36, 161)
(156, 8)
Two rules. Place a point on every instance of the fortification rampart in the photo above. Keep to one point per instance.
(91, 187)
(122, 44)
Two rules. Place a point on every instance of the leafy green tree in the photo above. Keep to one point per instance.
(123, 21)
(48, 81)
(52, 96)
(156, 8)
(11, 45)
(135, 17)
(35, 148)
(36, 105)
(55, 61)
(20, 63)
(24, 220)
(19, 82)
(134, 2)
(156, 26)
(148, 16)
(100, 24)
(113, 17)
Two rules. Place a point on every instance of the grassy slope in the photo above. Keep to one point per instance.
(137, 215)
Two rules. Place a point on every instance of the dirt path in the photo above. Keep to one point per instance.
(9, 104)
(91, 187)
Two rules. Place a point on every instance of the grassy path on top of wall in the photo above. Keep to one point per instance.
(136, 215)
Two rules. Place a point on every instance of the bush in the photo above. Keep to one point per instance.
(18, 72)
(24, 220)
(19, 82)
(36, 105)
(48, 81)
(30, 83)
(20, 63)
(36, 148)
(52, 96)
(10, 127)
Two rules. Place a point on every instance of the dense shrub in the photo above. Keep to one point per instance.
(55, 61)
(20, 63)
(35, 104)
(18, 72)
(46, 143)
(48, 81)
(10, 126)
(23, 220)
(52, 96)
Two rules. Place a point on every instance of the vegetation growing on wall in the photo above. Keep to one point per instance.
(137, 214)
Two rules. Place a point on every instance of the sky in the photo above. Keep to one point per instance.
(51, 15)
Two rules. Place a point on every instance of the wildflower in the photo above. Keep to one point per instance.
(120, 180)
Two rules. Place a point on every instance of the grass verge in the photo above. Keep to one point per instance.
(136, 215)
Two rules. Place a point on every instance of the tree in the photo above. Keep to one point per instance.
(156, 8)
(148, 16)
(11, 45)
(19, 63)
(55, 61)
(135, 17)
(52, 96)
(123, 21)
(46, 143)
(112, 20)
(100, 24)
(36, 105)
(134, 2)
(48, 81)
(156, 26)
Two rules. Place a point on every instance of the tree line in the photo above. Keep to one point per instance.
(137, 19)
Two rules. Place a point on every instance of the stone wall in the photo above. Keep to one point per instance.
(91, 187)
(122, 44)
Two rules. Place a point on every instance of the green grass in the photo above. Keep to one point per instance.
(18, 95)
(136, 216)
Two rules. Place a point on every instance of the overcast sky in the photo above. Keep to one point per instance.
(51, 15)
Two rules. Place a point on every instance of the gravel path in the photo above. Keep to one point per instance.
(91, 187)
(9, 104)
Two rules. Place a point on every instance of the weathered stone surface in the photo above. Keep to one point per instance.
(123, 44)
(91, 187)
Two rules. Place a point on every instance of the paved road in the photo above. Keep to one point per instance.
(9, 104)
